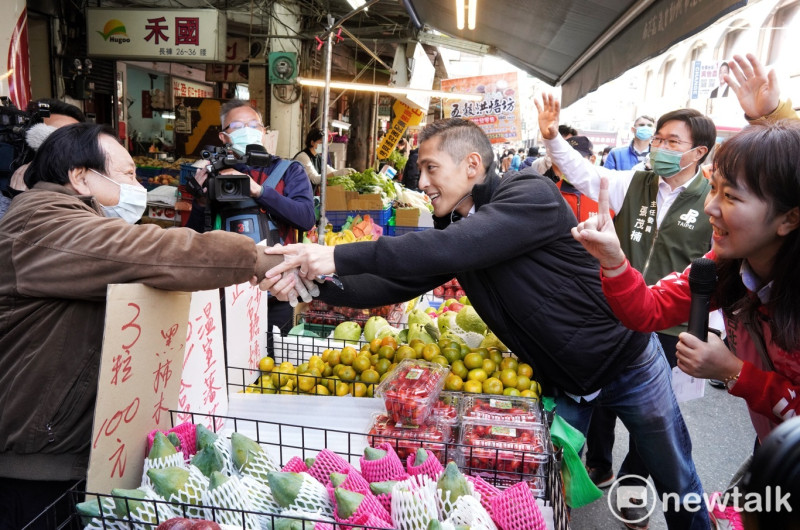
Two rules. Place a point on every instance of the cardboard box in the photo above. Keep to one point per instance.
(365, 201)
(337, 199)
(413, 217)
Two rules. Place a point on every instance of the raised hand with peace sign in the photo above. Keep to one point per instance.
(598, 237)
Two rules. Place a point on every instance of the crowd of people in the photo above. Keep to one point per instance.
(595, 303)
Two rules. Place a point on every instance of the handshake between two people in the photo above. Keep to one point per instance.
(296, 277)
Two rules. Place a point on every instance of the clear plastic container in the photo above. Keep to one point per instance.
(432, 434)
(500, 409)
(445, 409)
(411, 389)
(506, 453)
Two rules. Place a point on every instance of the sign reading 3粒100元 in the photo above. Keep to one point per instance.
(497, 114)
(159, 34)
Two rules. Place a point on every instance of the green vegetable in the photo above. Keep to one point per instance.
(385, 487)
(208, 460)
(161, 447)
(370, 453)
(337, 479)
(421, 456)
(347, 502)
(241, 447)
(453, 481)
(217, 480)
(344, 181)
(124, 501)
(205, 437)
(285, 486)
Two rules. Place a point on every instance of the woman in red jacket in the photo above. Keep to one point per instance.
(754, 209)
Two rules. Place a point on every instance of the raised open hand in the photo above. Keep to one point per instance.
(756, 89)
(549, 112)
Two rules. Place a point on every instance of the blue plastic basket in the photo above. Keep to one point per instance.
(187, 171)
(337, 218)
(400, 230)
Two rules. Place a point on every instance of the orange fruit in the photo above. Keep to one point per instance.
(489, 366)
(459, 369)
(370, 376)
(405, 352)
(386, 352)
(321, 390)
(509, 362)
(478, 374)
(359, 389)
(347, 373)
(440, 359)
(473, 387)
(493, 386)
(335, 357)
(389, 341)
(429, 351)
(473, 360)
(509, 378)
(453, 382)
(342, 389)
(484, 353)
(511, 391)
(266, 364)
(374, 345)
(525, 369)
(382, 366)
(496, 356)
(523, 383)
(349, 355)
(361, 363)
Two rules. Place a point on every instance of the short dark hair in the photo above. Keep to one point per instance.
(459, 138)
(564, 130)
(724, 64)
(533, 151)
(313, 136)
(67, 148)
(704, 132)
(58, 107)
(235, 104)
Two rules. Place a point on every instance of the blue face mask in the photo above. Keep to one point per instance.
(241, 138)
(645, 132)
(666, 162)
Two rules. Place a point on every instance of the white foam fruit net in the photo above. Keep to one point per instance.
(260, 500)
(312, 497)
(446, 505)
(175, 460)
(146, 511)
(108, 519)
(191, 494)
(232, 496)
(468, 511)
(314, 518)
(472, 339)
(223, 445)
(258, 465)
(414, 503)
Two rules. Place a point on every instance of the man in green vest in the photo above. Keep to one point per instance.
(661, 224)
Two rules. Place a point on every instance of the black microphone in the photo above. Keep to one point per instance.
(702, 281)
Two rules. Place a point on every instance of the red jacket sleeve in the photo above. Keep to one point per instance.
(653, 308)
(768, 393)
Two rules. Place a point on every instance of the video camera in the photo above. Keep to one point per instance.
(231, 188)
(13, 125)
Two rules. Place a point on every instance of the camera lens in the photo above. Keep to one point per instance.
(230, 187)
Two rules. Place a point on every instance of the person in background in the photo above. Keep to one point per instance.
(578, 352)
(543, 163)
(628, 156)
(411, 171)
(311, 159)
(289, 205)
(61, 244)
(533, 154)
(566, 131)
(659, 219)
(505, 164)
(604, 155)
(516, 160)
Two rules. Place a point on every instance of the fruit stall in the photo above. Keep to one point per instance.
(427, 425)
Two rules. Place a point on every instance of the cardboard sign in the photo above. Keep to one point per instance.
(246, 332)
(140, 373)
(203, 384)
(498, 114)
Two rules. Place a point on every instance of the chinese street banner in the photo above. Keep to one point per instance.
(497, 114)
(139, 380)
(158, 34)
(705, 79)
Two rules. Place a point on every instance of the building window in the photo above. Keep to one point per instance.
(784, 38)
(734, 44)
(666, 77)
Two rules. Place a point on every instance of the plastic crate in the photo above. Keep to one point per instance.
(187, 171)
(400, 230)
(337, 218)
(284, 442)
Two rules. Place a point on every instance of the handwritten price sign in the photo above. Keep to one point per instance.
(203, 384)
(140, 377)
(246, 323)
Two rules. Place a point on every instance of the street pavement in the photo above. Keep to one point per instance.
(722, 438)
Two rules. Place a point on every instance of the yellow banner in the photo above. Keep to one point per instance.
(405, 116)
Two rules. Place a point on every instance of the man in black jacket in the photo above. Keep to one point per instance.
(508, 242)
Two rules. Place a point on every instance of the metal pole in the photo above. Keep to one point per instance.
(326, 99)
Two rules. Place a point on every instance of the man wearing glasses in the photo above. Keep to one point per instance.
(662, 227)
(288, 204)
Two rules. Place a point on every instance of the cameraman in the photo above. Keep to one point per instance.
(289, 205)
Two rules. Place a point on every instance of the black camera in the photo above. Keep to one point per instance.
(13, 124)
(231, 188)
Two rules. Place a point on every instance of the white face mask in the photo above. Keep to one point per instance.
(132, 201)
(241, 138)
